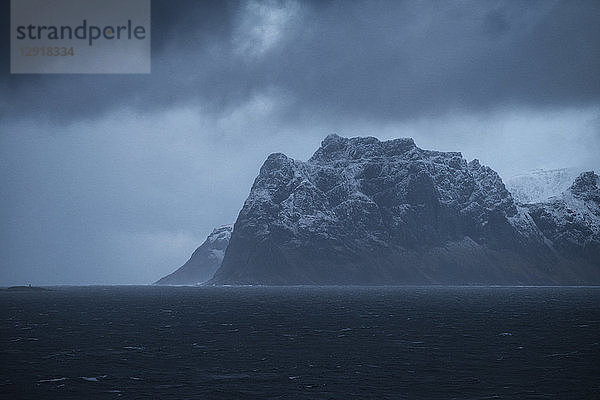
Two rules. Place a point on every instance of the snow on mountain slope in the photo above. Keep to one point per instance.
(540, 185)
(571, 220)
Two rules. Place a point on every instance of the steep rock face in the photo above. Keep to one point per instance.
(203, 263)
(362, 211)
(571, 221)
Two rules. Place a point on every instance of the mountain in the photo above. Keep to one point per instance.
(571, 221)
(204, 261)
(540, 185)
(364, 211)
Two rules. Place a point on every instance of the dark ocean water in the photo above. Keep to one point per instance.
(301, 343)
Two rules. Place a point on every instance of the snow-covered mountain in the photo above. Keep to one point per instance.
(571, 220)
(362, 211)
(540, 185)
(205, 260)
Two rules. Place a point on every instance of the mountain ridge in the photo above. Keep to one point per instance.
(539, 185)
(203, 263)
(364, 211)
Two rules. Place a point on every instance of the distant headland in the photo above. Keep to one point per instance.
(26, 288)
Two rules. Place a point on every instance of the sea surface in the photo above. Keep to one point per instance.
(301, 343)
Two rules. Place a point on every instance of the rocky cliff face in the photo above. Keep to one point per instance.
(362, 211)
(571, 221)
(204, 261)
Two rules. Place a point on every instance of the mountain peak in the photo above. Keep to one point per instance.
(586, 186)
(331, 139)
(337, 147)
(540, 185)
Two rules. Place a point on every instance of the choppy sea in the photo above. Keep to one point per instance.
(147, 342)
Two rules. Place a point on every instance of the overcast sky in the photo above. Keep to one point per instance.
(118, 178)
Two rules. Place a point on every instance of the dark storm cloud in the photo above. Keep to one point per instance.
(191, 25)
(391, 60)
(446, 55)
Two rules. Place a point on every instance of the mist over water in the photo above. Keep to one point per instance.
(301, 342)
